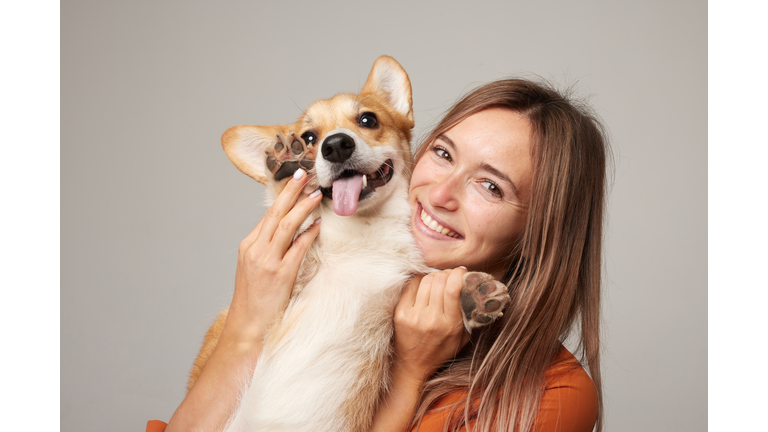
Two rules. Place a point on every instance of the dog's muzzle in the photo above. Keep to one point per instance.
(351, 187)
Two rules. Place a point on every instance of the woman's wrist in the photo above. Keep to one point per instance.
(241, 341)
(400, 402)
(408, 375)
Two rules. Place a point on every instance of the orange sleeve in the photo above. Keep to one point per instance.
(156, 426)
(569, 403)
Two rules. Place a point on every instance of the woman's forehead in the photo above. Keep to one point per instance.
(496, 138)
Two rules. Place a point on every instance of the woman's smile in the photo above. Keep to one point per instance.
(434, 227)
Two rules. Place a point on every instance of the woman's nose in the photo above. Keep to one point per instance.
(444, 193)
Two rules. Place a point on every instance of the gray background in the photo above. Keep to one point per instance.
(152, 211)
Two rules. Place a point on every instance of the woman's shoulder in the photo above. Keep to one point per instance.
(566, 367)
(569, 402)
(570, 397)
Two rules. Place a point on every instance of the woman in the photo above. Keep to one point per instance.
(516, 174)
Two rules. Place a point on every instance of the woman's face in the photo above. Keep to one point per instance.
(470, 189)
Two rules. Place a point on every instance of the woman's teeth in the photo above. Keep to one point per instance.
(436, 227)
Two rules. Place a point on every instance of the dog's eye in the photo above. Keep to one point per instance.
(368, 120)
(309, 138)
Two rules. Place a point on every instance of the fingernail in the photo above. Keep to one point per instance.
(463, 267)
(317, 221)
(298, 174)
(315, 193)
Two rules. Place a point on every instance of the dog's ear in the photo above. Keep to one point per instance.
(388, 79)
(245, 146)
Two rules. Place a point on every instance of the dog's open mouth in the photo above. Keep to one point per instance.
(352, 187)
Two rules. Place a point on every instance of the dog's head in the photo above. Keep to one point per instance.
(357, 146)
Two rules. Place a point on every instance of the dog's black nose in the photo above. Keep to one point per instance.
(338, 148)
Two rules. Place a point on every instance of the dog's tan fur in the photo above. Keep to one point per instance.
(209, 344)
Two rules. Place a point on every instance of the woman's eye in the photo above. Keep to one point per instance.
(368, 120)
(492, 187)
(443, 154)
(309, 138)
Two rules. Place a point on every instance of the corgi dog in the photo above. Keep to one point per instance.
(325, 361)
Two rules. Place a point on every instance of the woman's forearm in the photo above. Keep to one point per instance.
(399, 405)
(214, 397)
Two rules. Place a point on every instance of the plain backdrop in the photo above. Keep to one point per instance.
(152, 211)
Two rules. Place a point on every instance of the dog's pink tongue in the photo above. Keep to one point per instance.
(346, 193)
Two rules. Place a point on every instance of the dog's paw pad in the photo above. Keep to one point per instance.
(290, 147)
(482, 299)
(298, 148)
(281, 148)
(287, 154)
(272, 164)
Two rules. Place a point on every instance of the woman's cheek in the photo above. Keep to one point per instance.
(423, 175)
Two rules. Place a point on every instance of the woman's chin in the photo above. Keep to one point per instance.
(434, 255)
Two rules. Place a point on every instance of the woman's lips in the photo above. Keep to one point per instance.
(433, 228)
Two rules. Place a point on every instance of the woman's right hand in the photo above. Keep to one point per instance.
(267, 265)
(268, 262)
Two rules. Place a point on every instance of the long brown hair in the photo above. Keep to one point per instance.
(554, 273)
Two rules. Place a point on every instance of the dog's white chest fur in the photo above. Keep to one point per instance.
(325, 363)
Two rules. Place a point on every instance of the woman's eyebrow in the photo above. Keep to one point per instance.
(447, 140)
(483, 165)
(500, 175)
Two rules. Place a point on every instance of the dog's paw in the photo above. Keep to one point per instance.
(482, 299)
(287, 154)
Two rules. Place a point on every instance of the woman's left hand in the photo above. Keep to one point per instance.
(429, 329)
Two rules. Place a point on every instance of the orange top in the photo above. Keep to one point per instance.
(569, 402)
(156, 426)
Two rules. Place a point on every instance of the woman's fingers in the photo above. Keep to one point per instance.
(286, 229)
(452, 295)
(408, 298)
(251, 237)
(425, 288)
(442, 291)
(298, 249)
(282, 205)
(436, 290)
